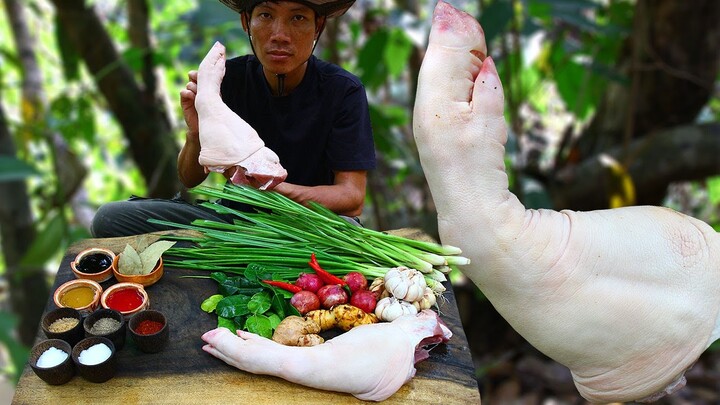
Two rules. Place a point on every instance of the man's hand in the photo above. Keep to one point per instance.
(187, 101)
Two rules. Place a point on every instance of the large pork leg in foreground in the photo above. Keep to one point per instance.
(626, 298)
(370, 362)
(227, 141)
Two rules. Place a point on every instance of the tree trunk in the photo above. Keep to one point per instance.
(141, 116)
(27, 285)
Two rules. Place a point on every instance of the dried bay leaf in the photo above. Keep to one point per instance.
(152, 253)
(129, 261)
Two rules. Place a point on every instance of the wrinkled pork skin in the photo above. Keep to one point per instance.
(627, 298)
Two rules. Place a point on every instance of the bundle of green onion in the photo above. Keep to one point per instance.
(282, 234)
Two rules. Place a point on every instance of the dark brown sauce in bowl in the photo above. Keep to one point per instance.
(94, 263)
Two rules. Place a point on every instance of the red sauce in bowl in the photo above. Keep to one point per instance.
(124, 300)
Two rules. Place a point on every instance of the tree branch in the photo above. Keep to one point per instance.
(654, 161)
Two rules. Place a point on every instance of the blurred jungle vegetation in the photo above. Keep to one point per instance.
(608, 103)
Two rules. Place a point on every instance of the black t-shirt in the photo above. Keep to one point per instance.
(321, 126)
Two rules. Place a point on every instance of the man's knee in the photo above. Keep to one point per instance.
(102, 221)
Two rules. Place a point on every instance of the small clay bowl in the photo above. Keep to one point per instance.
(77, 283)
(100, 276)
(117, 336)
(72, 335)
(106, 299)
(153, 342)
(59, 374)
(100, 372)
(143, 279)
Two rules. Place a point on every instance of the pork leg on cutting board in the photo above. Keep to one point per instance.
(227, 142)
(627, 298)
(370, 362)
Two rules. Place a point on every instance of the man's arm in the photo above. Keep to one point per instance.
(345, 197)
(190, 172)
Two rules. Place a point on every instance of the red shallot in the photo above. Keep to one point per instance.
(331, 295)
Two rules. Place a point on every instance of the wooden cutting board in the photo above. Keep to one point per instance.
(184, 373)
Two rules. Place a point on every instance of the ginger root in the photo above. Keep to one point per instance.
(297, 331)
(343, 316)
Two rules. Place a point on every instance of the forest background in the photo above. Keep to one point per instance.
(608, 103)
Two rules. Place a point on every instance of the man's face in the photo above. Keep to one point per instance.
(282, 33)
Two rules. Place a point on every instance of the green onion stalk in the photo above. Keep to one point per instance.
(282, 234)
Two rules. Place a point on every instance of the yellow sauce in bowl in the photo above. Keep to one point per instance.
(77, 297)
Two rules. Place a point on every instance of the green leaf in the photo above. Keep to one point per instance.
(47, 242)
(397, 52)
(372, 71)
(18, 353)
(255, 272)
(259, 303)
(259, 324)
(279, 305)
(232, 306)
(133, 57)
(274, 320)
(227, 323)
(495, 18)
(13, 169)
(211, 302)
(713, 187)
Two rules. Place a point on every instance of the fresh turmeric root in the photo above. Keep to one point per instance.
(343, 316)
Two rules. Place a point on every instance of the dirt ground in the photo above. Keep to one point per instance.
(510, 371)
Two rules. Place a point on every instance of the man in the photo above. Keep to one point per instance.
(312, 114)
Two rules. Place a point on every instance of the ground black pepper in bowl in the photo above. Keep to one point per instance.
(103, 326)
(107, 323)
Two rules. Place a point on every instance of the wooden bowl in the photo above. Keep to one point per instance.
(100, 372)
(104, 275)
(143, 279)
(149, 342)
(56, 375)
(117, 336)
(119, 288)
(72, 335)
(80, 282)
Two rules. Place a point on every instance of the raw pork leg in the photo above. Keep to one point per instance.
(626, 298)
(227, 141)
(370, 362)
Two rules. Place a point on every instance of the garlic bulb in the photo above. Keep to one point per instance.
(426, 301)
(390, 308)
(405, 284)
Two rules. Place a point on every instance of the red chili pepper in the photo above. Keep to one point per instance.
(285, 286)
(326, 277)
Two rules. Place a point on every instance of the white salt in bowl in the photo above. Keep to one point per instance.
(59, 373)
(102, 371)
